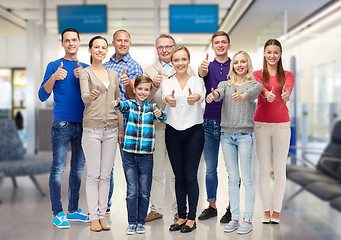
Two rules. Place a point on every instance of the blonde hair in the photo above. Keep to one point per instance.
(232, 76)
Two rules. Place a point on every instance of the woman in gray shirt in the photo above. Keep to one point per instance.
(237, 137)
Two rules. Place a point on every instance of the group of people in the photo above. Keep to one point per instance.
(156, 117)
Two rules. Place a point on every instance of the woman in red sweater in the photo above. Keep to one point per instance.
(272, 128)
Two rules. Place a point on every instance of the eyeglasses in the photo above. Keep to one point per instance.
(168, 47)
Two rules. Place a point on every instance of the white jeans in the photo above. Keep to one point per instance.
(276, 138)
(99, 146)
(161, 162)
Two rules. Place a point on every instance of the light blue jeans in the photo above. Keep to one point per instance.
(242, 145)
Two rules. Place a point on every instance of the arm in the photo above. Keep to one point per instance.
(84, 79)
(117, 96)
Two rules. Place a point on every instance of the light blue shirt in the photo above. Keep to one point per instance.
(167, 66)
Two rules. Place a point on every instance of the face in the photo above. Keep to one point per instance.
(71, 43)
(164, 47)
(220, 45)
(99, 49)
(240, 64)
(272, 54)
(121, 43)
(180, 61)
(142, 91)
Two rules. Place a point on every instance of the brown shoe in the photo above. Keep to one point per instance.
(104, 224)
(153, 215)
(95, 225)
(176, 216)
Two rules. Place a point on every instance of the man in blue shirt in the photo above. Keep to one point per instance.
(128, 70)
(62, 77)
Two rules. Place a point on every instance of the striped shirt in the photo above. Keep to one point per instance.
(133, 70)
(139, 134)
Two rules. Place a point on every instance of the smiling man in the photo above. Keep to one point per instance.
(62, 77)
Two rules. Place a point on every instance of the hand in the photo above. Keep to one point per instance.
(285, 94)
(157, 79)
(124, 78)
(94, 93)
(210, 97)
(77, 70)
(115, 103)
(61, 73)
(157, 112)
(204, 64)
(170, 99)
(270, 96)
(239, 97)
(120, 138)
(190, 98)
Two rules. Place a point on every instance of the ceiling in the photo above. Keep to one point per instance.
(138, 17)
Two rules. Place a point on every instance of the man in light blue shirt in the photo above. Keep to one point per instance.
(128, 70)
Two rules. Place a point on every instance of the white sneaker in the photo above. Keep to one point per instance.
(245, 228)
(231, 226)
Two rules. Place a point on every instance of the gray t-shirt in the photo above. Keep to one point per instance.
(237, 117)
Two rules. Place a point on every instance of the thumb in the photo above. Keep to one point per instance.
(189, 91)
(159, 72)
(97, 87)
(283, 89)
(79, 65)
(273, 90)
(124, 71)
(155, 107)
(235, 90)
(213, 93)
(61, 65)
(173, 92)
(206, 57)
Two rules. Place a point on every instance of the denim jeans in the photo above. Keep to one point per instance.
(184, 151)
(243, 145)
(62, 134)
(138, 171)
(211, 151)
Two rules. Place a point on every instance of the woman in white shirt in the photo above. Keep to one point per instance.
(184, 135)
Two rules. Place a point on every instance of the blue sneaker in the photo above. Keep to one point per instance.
(140, 228)
(131, 229)
(245, 228)
(78, 216)
(60, 221)
(231, 226)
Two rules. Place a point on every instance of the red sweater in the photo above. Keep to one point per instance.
(277, 111)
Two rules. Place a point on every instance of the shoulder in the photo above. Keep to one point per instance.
(288, 74)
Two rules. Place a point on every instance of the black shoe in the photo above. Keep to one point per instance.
(176, 227)
(187, 229)
(208, 213)
(227, 216)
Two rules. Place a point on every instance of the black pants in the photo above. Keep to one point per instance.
(184, 151)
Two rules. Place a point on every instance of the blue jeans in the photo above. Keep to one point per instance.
(138, 170)
(62, 134)
(211, 151)
(243, 145)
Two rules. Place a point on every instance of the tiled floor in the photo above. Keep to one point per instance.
(26, 215)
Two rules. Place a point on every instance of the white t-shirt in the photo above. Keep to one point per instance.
(183, 116)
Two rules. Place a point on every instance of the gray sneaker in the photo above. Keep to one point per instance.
(245, 228)
(231, 226)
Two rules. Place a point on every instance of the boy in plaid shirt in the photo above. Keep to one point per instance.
(138, 146)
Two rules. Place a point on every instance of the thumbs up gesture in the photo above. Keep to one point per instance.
(61, 73)
(94, 93)
(77, 70)
(124, 78)
(190, 98)
(270, 96)
(210, 97)
(203, 68)
(285, 94)
(170, 99)
(115, 103)
(157, 111)
(157, 79)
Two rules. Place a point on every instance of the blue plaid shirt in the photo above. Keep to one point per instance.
(133, 70)
(139, 135)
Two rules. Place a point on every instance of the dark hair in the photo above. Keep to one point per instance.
(70, 30)
(221, 33)
(280, 72)
(143, 79)
(121, 30)
(176, 49)
(91, 42)
(165, 36)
